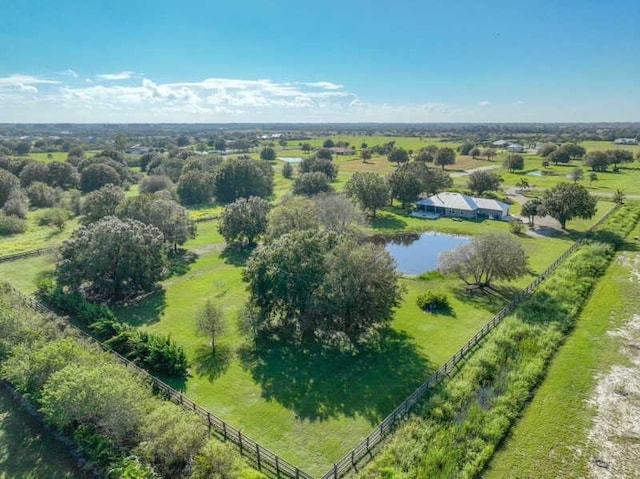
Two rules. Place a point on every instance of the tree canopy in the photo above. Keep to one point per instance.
(316, 285)
(514, 162)
(398, 155)
(311, 184)
(485, 259)
(241, 178)
(566, 201)
(483, 180)
(112, 260)
(445, 156)
(244, 220)
(369, 189)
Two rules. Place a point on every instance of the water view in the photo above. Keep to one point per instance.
(418, 253)
(291, 160)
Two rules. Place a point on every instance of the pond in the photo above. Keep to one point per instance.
(291, 160)
(418, 253)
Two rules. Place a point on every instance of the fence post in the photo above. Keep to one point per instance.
(277, 466)
(240, 439)
(258, 455)
(224, 430)
(353, 462)
(335, 471)
(209, 420)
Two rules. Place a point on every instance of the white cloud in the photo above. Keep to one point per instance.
(484, 103)
(69, 73)
(134, 99)
(126, 75)
(19, 81)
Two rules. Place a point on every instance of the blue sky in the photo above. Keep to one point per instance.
(333, 61)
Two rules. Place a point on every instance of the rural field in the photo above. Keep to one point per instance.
(286, 396)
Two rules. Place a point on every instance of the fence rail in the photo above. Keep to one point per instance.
(262, 458)
(25, 254)
(364, 451)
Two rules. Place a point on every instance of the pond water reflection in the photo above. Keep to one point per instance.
(418, 253)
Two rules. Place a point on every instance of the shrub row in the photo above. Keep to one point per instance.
(458, 428)
(157, 354)
(109, 410)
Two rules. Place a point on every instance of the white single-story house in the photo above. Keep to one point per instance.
(500, 143)
(625, 141)
(462, 206)
(137, 150)
(515, 148)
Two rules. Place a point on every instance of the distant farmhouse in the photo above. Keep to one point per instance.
(509, 146)
(461, 206)
(625, 141)
(515, 148)
(337, 150)
(137, 150)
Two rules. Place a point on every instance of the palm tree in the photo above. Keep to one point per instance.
(618, 196)
(523, 183)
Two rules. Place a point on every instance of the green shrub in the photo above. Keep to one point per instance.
(11, 225)
(516, 227)
(433, 302)
(72, 304)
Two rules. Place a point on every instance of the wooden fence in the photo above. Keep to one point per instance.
(364, 451)
(25, 254)
(262, 458)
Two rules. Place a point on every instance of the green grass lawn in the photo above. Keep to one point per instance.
(27, 450)
(36, 236)
(550, 440)
(287, 398)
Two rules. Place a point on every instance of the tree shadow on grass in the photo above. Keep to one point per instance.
(318, 383)
(387, 222)
(492, 300)
(180, 262)
(235, 255)
(212, 364)
(145, 312)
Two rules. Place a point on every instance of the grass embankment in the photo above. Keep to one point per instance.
(551, 439)
(27, 450)
(458, 428)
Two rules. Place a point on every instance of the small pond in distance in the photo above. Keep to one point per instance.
(291, 160)
(418, 253)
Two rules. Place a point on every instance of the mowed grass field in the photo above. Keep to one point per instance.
(27, 450)
(551, 439)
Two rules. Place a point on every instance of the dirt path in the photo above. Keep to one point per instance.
(615, 433)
